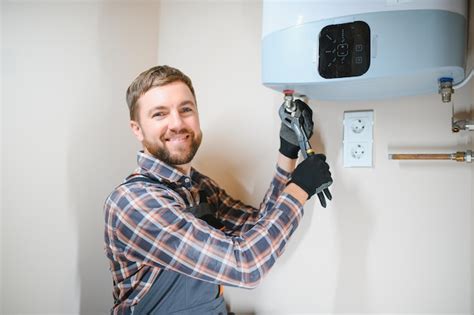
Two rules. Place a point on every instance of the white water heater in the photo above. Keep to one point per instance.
(356, 49)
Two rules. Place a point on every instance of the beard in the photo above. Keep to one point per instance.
(183, 155)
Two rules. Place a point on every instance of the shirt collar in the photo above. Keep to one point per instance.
(160, 170)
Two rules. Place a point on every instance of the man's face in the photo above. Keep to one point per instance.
(168, 123)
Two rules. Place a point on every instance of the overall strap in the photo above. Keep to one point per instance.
(134, 178)
(201, 211)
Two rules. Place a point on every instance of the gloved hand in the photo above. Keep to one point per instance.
(289, 145)
(314, 177)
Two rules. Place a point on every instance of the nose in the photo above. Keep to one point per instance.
(175, 122)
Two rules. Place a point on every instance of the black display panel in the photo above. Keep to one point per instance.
(344, 50)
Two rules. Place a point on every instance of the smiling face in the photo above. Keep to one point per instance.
(167, 124)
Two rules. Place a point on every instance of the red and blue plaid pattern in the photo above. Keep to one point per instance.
(147, 230)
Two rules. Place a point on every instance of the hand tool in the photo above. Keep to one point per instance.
(291, 116)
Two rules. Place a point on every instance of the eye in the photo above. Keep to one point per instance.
(187, 109)
(158, 115)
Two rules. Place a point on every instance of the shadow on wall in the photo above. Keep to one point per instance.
(102, 150)
(223, 168)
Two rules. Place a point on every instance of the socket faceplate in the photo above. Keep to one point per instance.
(358, 138)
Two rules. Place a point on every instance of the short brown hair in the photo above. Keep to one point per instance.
(153, 77)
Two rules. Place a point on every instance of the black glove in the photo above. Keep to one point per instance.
(289, 145)
(314, 177)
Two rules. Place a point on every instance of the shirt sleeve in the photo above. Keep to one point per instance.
(240, 217)
(151, 227)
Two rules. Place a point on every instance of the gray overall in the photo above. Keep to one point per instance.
(177, 294)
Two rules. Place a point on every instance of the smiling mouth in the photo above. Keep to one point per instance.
(178, 138)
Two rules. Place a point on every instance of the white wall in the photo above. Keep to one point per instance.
(66, 67)
(392, 241)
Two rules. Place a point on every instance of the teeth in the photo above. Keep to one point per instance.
(178, 138)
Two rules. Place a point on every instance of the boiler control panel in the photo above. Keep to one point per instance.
(344, 50)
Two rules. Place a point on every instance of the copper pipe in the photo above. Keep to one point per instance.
(458, 156)
(420, 156)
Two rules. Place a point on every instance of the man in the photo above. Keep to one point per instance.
(173, 237)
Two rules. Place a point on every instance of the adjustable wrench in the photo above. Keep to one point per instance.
(290, 115)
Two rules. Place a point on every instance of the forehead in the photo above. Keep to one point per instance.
(169, 95)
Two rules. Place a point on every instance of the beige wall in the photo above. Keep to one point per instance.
(1, 154)
(66, 144)
(392, 241)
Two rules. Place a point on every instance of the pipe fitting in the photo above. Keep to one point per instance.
(446, 89)
(290, 105)
(462, 156)
(468, 156)
(463, 125)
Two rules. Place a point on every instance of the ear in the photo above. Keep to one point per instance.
(137, 130)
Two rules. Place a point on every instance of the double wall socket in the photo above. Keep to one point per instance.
(358, 138)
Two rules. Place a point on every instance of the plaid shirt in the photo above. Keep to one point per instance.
(147, 230)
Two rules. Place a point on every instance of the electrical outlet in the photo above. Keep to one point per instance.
(358, 125)
(358, 138)
(358, 151)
